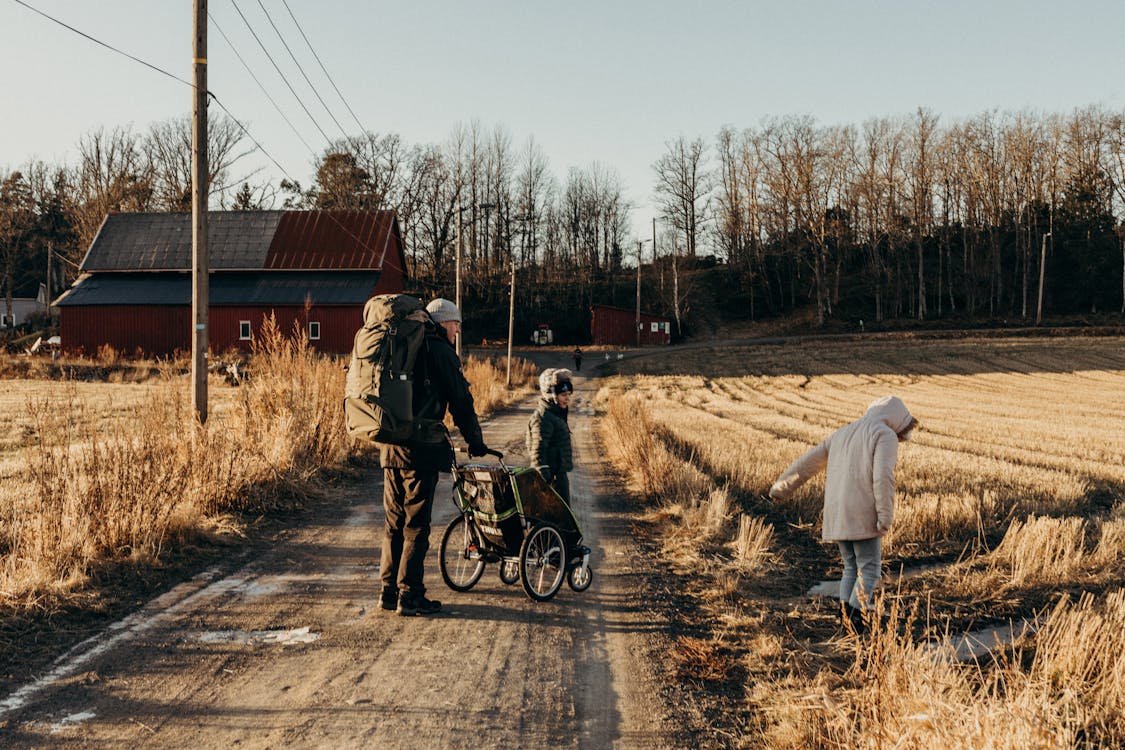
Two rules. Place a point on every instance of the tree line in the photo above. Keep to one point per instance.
(892, 218)
(907, 218)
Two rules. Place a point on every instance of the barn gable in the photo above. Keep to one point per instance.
(308, 268)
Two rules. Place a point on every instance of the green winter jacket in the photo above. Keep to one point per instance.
(548, 439)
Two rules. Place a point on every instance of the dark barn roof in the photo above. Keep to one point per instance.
(248, 241)
(281, 288)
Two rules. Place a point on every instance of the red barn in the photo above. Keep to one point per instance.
(614, 325)
(315, 269)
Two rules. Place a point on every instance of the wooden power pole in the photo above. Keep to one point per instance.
(640, 243)
(1042, 267)
(199, 259)
(511, 320)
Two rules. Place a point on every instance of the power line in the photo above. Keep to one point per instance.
(325, 70)
(260, 86)
(104, 44)
(210, 94)
(275, 67)
(301, 69)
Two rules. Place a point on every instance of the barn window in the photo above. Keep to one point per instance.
(244, 330)
(3, 321)
(314, 330)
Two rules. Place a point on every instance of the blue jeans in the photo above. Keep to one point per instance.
(863, 559)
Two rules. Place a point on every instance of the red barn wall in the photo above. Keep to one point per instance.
(161, 330)
(127, 328)
(616, 326)
(337, 325)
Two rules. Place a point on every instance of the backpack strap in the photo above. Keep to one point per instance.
(431, 393)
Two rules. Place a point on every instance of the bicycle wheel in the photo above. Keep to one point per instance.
(542, 562)
(580, 578)
(509, 571)
(460, 559)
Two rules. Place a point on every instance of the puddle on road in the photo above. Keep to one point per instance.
(259, 637)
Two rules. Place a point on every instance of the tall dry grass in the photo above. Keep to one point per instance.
(1016, 481)
(91, 493)
(90, 489)
(1061, 688)
(487, 377)
(703, 510)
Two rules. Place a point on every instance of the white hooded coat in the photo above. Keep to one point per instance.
(859, 488)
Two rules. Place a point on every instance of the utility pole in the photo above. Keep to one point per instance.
(511, 318)
(50, 252)
(199, 258)
(457, 280)
(1042, 265)
(640, 244)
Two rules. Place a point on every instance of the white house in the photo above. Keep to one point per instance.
(23, 308)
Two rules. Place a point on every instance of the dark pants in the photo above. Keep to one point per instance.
(408, 502)
(561, 483)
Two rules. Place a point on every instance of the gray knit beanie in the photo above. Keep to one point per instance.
(443, 311)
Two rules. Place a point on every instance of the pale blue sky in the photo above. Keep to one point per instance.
(591, 81)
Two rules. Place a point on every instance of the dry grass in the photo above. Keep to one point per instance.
(97, 474)
(1016, 482)
(488, 378)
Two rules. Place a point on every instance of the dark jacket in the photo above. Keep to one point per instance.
(548, 438)
(439, 385)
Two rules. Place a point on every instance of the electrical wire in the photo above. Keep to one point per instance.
(211, 95)
(275, 67)
(260, 86)
(104, 44)
(323, 69)
(301, 69)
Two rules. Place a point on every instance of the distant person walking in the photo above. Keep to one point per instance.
(577, 359)
(859, 493)
(410, 471)
(548, 434)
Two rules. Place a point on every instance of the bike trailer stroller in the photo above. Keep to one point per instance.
(512, 517)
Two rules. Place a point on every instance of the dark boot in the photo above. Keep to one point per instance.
(853, 616)
(417, 605)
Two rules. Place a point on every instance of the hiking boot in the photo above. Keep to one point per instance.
(853, 616)
(388, 600)
(409, 607)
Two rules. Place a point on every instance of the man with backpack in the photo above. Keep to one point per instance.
(411, 467)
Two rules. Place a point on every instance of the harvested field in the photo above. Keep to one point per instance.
(1009, 506)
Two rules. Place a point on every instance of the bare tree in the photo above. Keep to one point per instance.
(682, 190)
(112, 175)
(167, 149)
(17, 219)
(921, 181)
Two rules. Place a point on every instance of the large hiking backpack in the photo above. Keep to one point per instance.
(379, 391)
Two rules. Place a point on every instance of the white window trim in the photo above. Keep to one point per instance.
(244, 325)
(314, 336)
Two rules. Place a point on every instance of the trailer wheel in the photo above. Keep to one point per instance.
(542, 562)
(460, 556)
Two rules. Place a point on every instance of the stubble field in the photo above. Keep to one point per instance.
(1009, 510)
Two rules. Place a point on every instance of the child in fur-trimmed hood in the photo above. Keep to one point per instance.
(548, 435)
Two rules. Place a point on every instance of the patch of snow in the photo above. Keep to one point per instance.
(258, 637)
(69, 721)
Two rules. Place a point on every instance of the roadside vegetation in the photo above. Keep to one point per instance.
(98, 475)
(1010, 508)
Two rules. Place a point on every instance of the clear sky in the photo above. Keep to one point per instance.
(609, 81)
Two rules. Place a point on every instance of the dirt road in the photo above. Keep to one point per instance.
(290, 650)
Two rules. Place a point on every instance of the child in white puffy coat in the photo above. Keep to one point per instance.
(859, 492)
